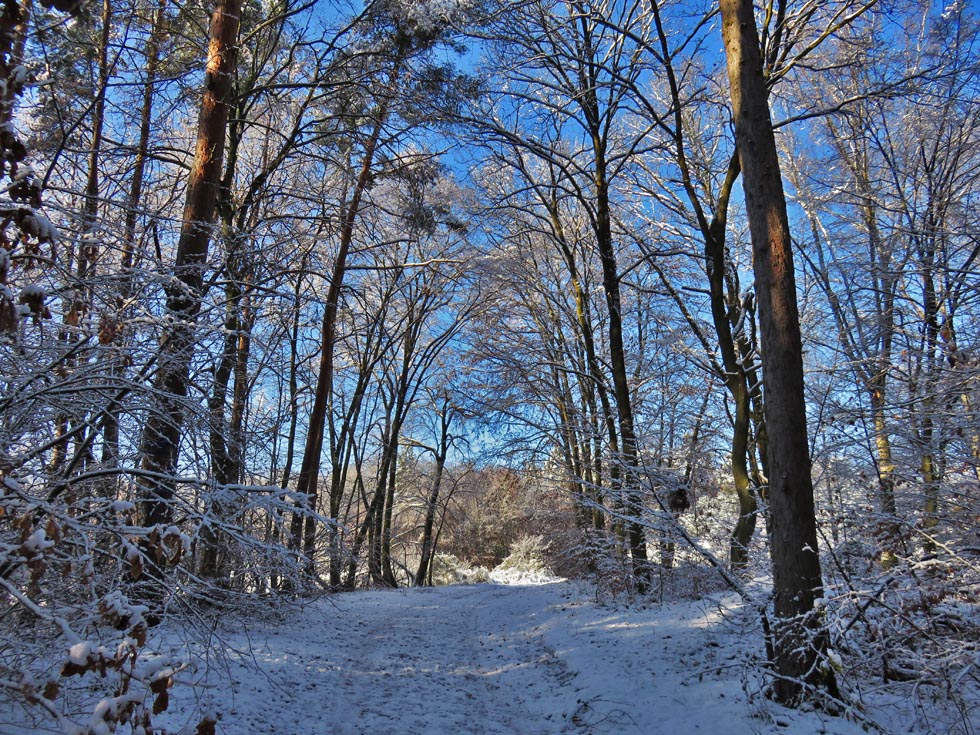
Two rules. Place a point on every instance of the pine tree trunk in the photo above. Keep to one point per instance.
(161, 433)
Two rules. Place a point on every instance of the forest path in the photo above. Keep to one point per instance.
(462, 660)
(490, 660)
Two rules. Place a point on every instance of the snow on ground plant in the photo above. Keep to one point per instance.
(525, 564)
(75, 644)
(909, 634)
(448, 569)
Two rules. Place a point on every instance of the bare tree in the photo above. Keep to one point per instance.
(570, 74)
(800, 638)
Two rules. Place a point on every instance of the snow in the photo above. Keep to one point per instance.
(117, 604)
(33, 291)
(37, 542)
(490, 659)
(23, 172)
(502, 575)
(430, 16)
(484, 659)
(46, 231)
(79, 653)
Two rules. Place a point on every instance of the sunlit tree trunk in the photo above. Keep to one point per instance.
(161, 434)
(929, 362)
(733, 320)
(343, 440)
(800, 637)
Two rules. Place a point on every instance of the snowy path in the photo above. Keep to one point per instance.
(490, 660)
(438, 663)
(450, 660)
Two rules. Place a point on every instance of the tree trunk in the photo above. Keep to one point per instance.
(303, 527)
(800, 638)
(617, 357)
(110, 424)
(428, 527)
(295, 321)
(161, 433)
(82, 258)
(597, 380)
(930, 363)
(341, 450)
(889, 531)
(432, 502)
(387, 571)
(14, 21)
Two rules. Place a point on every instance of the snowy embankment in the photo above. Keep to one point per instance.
(491, 660)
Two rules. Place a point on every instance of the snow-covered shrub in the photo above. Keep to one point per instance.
(525, 564)
(610, 568)
(242, 543)
(569, 552)
(475, 575)
(526, 554)
(495, 506)
(447, 569)
(75, 644)
(711, 521)
(911, 630)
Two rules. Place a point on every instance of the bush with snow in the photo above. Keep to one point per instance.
(525, 564)
(75, 649)
(911, 630)
(448, 569)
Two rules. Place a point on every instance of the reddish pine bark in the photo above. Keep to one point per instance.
(161, 435)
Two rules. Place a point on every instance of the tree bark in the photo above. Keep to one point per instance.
(161, 434)
(110, 328)
(800, 638)
(303, 527)
(432, 502)
(629, 455)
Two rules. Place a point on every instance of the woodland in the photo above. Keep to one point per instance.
(303, 297)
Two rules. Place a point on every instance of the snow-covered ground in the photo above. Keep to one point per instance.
(486, 659)
(492, 660)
